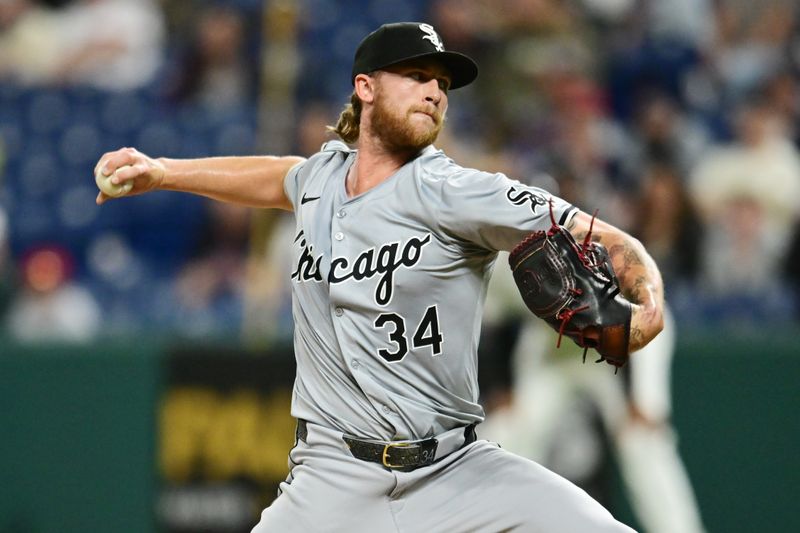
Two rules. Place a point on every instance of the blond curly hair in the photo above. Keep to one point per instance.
(348, 125)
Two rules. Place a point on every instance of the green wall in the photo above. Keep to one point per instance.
(76, 438)
(77, 434)
(737, 404)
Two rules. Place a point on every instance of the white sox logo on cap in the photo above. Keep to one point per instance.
(432, 36)
(394, 43)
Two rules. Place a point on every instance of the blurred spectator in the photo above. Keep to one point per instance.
(461, 23)
(752, 41)
(749, 197)
(667, 223)
(216, 70)
(51, 306)
(210, 286)
(109, 44)
(29, 42)
(654, 49)
(782, 91)
(535, 43)
(661, 132)
(582, 147)
(690, 22)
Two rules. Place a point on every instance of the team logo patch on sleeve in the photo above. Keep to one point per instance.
(520, 197)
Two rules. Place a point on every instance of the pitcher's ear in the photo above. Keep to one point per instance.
(365, 87)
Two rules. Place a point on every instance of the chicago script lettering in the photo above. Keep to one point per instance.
(381, 261)
(385, 263)
(307, 265)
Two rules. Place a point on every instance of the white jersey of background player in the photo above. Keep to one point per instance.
(393, 250)
(547, 381)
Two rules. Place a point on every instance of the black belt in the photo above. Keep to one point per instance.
(401, 455)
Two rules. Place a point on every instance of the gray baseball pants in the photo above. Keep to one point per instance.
(479, 488)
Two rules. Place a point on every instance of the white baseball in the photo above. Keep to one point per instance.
(111, 189)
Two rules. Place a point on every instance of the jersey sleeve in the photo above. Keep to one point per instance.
(295, 180)
(291, 184)
(496, 212)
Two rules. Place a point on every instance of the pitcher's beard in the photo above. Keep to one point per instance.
(398, 133)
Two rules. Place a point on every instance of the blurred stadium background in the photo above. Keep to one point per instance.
(145, 359)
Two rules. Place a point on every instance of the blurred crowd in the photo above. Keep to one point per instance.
(678, 121)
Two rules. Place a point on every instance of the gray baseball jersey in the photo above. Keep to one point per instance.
(388, 289)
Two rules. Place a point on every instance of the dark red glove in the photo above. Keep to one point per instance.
(573, 288)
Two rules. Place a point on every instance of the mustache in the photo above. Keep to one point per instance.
(431, 111)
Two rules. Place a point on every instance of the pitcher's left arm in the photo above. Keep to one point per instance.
(638, 275)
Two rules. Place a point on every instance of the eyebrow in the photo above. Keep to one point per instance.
(430, 69)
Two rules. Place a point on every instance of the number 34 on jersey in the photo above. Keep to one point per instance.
(426, 333)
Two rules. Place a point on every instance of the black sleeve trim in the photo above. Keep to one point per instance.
(566, 215)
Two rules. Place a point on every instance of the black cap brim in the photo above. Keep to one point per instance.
(462, 69)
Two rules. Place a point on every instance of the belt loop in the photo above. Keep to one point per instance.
(301, 433)
(469, 435)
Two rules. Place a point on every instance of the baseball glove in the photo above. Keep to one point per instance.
(574, 289)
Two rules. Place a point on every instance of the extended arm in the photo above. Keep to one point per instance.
(638, 275)
(255, 181)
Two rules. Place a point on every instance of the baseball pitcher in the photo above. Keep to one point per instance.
(393, 248)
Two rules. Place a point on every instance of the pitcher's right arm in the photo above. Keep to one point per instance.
(254, 181)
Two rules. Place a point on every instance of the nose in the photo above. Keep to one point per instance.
(432, 92)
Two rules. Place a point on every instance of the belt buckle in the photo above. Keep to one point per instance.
(385, 454)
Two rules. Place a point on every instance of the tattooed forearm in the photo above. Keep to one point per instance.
(637, 336)
(641, 284)
(628, 266)
(634, 292)
(626, 261)
(639, 278)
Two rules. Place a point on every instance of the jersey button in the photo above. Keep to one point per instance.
(356, 364)
(338, 311)
(386, 409)
(339, 236)
(341, 213)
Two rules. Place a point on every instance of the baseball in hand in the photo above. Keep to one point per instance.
(111, 189)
